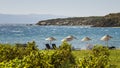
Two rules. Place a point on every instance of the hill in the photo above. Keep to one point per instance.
(110, 20)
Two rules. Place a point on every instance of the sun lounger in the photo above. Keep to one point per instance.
(47, 46)
(54, 46)
(112, 47)
(20, 45)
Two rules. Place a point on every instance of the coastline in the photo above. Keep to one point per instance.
(115, 27)
(110, 20)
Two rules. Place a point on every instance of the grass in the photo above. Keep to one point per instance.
(114, 56)
(80, 53)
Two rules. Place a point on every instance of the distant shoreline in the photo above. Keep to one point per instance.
(115, 27)
(61, 25)
(110, 20)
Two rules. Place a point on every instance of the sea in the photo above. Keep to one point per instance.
(16, 33)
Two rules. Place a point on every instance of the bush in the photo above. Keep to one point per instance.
(31, 57)
(63, 57)
(99, 58)
(34, 60)
(9, 52)
(65, 46)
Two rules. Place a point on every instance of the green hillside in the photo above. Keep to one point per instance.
(110, 20)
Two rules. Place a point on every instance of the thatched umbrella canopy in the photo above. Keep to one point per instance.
(67, 39)
(50, 39)
(86, 39)
(106, 38)
(71, 36)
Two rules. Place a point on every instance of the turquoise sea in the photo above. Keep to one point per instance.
(23, 33)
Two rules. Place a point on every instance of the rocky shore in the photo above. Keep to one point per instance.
(110, 20)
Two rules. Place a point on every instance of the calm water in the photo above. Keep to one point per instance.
(22, 34)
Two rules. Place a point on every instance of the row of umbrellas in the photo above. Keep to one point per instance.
(70, 38)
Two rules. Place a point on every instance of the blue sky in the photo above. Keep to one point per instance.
(60, 7)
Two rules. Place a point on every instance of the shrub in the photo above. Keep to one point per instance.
(63, 57)
(9, 52)
(34, 60)
(99, 58)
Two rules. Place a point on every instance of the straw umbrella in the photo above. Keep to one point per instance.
(106, 38)
(68, 38)
(87, 39)
(50, 39)
(71, 36)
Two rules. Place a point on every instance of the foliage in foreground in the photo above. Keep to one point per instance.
(98, 58)
(32, 57)
(63, 57)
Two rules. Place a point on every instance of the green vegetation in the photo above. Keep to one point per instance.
(110, 20)
(12, 56)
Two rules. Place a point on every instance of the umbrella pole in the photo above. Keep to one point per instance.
(107, 43)
(88, 43)
(50, 42)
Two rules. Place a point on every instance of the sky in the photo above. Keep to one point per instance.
(60, 7)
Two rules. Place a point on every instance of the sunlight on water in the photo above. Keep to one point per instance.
(22, 34)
